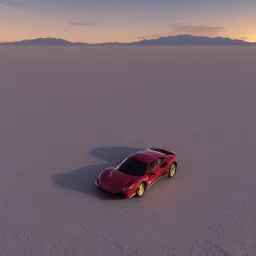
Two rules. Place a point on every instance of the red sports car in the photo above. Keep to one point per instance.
(132, 176)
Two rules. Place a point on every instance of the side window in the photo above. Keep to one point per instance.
(152, 165)
(159, 160)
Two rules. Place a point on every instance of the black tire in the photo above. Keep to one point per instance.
(141, 189)
(172, 171)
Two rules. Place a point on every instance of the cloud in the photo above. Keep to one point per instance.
(77, 23)
(184, 28)
(10, 8)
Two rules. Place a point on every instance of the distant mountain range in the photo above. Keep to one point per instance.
(42, 41)
(162, 41)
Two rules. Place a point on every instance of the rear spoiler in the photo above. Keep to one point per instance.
(164, 150)
(169, 150)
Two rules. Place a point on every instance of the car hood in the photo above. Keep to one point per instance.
(114, 178)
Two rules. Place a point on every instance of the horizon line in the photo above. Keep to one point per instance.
(134, 41)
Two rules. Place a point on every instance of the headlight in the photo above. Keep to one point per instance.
(127, 188)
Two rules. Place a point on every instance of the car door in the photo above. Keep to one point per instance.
(154, 170)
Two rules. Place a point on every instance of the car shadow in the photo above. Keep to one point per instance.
(82, 180)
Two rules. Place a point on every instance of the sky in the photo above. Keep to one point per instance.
(96, 21)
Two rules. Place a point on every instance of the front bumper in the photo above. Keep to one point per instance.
(112, 192)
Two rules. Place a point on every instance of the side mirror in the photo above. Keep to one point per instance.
(119, 162)
(163, 165)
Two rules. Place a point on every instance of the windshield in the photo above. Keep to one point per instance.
(133, 167)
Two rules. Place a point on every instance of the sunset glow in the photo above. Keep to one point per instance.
(125, 21)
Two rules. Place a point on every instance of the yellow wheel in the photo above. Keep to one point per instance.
(141, 189)
(172, 170)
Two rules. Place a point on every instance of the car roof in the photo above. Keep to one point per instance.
(147, 155)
